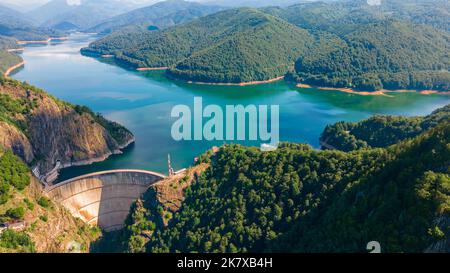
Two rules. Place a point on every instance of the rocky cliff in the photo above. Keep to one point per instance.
(50, 134)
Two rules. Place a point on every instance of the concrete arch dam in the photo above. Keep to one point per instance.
(103, 198)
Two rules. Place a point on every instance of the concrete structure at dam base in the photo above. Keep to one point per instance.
(103, 198)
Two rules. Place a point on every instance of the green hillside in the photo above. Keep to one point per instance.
(14, 24)
(297, 199)
(405, 206)
(342, 16)
(7, 43)
(232, 46)
(340, 44)
(397, 45)
(379, 131)
(387, 54)
(60, 15)
(8, 60)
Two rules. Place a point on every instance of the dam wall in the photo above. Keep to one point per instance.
(103, 198)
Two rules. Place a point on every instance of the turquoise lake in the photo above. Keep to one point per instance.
(142, 101)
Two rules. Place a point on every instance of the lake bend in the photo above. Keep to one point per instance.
(143, 100)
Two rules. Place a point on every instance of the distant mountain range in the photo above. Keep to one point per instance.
(253, 3)
(160, 15)
(60, 15)
(17, 25)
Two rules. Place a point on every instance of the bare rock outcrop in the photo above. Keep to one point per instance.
(53, 132)
(13, 139)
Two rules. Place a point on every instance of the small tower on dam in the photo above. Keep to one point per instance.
(169, 163)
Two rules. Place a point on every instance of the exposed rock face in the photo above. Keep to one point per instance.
(60, 133)
(55, 132)
(13, 139)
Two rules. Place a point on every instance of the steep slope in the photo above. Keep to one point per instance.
(297, 199)
(47, 132)
(49, 10)
(387, 54)
(15, 24)
(7, 43)
(160, 15)
(347, 44)
(404, 206)
(233, 46)
(88, 14)
(38, 224)
(342, 16)
(8, 60)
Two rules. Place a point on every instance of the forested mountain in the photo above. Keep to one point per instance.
(7, 43)
(405, 206)
(297, 199)
(14, 24)
(8, 59)
(160, 15)
(49, 10)
(88, 13)
(12, 16)
(336, 44)
(379, 131)
(232, 46)
(429, 12)
(395, 45)
(387, 54)
(343, 16)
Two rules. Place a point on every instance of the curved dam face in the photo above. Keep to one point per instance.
(103, 198)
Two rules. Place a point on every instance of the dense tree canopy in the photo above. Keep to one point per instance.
(7, 60)
(232, 46)
(302, 200)
(379, 131)
(398, 45)
(13, 173)
(387, 54)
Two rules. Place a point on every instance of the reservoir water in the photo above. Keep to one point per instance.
(142, 101)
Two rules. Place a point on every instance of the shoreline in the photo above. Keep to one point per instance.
(98, 159)
(28, 42)
(16, 50)
(236, 84)
(381, 92)
(162, 68)
(152, 68)
(12, 68)
(85, 162)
